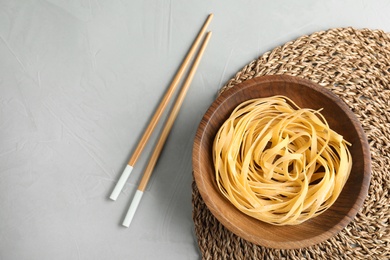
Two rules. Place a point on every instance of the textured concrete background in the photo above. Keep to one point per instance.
(79, 81)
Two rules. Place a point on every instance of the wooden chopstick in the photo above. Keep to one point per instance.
(164, 134)
(160, 109)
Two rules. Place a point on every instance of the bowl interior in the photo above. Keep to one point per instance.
(306, 95)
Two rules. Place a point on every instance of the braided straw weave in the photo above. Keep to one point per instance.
(355, 65)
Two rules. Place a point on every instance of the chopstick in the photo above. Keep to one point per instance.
(164, 102)
(164, 134)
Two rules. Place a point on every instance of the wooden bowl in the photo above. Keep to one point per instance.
(307, 95)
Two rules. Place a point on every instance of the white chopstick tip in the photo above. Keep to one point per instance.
(121, 182)
(133, 208)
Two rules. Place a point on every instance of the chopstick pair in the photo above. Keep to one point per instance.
(167, 126)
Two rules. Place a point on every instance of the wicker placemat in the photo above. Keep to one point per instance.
(354, 64)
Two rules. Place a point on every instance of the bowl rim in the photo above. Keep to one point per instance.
(200, 135)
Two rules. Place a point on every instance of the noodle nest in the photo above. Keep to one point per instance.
(280, 163)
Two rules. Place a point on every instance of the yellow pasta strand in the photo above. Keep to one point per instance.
(280, 163)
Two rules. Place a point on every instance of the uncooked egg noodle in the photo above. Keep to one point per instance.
(280, 163)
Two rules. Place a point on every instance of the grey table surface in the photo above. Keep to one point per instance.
(79, 81)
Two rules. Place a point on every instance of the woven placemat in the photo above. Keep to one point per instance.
(355, 65)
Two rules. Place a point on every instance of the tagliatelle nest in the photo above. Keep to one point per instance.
(280, 163)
